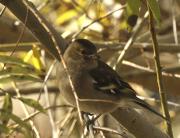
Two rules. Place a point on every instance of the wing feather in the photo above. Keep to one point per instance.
(108, 81)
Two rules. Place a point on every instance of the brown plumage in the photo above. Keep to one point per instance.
(99, 88)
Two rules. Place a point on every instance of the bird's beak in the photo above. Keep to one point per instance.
(95, 56)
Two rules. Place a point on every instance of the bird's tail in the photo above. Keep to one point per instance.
(148, 107)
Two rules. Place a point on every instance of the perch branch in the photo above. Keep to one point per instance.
(136, 124)
(159, 75)
(37, 24)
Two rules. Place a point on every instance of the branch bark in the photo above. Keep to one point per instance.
(162, 92)
(137, 124)
(37, 24)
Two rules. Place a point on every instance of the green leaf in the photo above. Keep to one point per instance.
(36, 60)
(16, 119)
(154, 6)
(32, 103)
(66, 16)
(17, 70)
(26, 132)
(20, 70)
(7, 108)
(14, 60)
(132, 12)
(4, 129)
(19, 121)
(20, 77)
(133, 7)
(7, 105)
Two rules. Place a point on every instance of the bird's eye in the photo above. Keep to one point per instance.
(84, 52)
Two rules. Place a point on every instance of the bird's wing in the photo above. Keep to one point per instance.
(107, 80)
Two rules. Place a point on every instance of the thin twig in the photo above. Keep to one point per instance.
(147, 47)
(32, 115)
(129, 43)
(105, 129)
(31, 90)
(46, 78)
(111, 45)
(71, 128)
(2, 11)
(174, 22)
(43, 4)
(46, 108)
(97, 20)
(100, 131)
(53, 125)
(77, 5)
(65, 121)
(20, 36)
(162, 92)
(177, 105)
(60, 53)
(134, 65)
(55, 131)
(36, 25)
(26, 111)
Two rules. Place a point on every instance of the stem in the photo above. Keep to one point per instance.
(162, 92)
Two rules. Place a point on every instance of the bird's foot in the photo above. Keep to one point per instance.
(90, 122)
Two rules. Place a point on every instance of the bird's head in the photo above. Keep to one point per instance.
(83, 52)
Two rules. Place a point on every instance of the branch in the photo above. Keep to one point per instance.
(159, 75)
(146, 69)
(37, 24)
(121, 54)
(46, 34)
(147, 47)
(137, 124)
(29, 91)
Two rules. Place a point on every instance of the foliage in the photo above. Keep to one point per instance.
(106, 23)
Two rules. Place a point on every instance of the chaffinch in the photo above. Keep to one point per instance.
(99, 88)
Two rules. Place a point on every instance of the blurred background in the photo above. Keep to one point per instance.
(28, 73)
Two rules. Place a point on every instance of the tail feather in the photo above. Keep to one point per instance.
(147, 106)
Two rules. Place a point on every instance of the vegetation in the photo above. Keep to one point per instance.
(137, 38)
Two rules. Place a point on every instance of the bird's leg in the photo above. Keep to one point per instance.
(96, 117)
(90, 122)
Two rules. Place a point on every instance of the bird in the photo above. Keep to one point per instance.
(99, 88)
